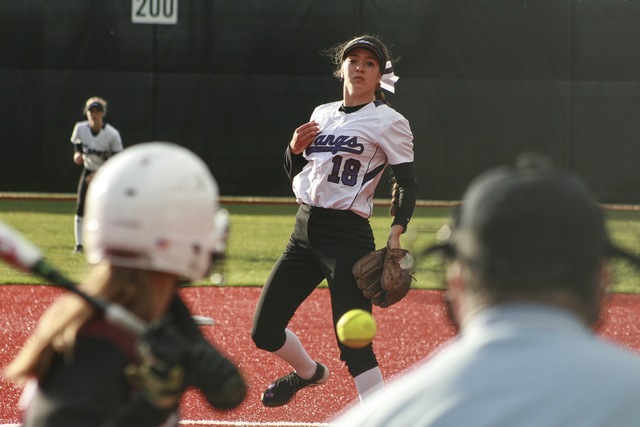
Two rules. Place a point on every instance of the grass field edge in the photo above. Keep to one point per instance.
(71, 197)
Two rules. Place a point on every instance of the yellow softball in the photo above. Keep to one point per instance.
(356, 328)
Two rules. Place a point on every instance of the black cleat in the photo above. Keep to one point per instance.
(281, 391)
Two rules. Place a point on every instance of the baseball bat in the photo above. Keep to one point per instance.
(20, 253)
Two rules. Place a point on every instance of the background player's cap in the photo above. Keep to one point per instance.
(531, 220)
(370, 45)
(97, 105)
(95, 102)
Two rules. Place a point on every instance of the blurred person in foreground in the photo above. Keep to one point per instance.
(152, 221)
(529, 265)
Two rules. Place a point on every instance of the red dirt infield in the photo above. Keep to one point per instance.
(407, 332)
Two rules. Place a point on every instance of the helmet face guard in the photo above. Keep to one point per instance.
(154, 206)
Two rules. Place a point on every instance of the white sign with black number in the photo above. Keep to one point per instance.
(154, 11)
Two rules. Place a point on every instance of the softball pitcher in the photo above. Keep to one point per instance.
(94, 141)
(335, 162)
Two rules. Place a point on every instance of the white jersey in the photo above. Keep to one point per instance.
(346, 160)
(96, 149)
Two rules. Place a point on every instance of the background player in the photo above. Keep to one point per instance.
(335, 162)
(94, 141)
(152, 221)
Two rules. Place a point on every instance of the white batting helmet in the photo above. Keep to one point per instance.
(154, 206)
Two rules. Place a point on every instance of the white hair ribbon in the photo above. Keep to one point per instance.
(389, 79)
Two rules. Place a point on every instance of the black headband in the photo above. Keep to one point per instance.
(370, 46)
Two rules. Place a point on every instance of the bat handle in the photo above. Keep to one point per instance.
(118, 315)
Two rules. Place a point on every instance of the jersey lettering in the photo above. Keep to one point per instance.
(100, 153)
(333, 144)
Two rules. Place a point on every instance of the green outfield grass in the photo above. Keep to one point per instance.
(260, 231)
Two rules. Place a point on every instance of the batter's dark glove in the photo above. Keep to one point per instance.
(384, 275)
(160, 375)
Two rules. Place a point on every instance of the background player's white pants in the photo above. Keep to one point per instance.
(77, 229)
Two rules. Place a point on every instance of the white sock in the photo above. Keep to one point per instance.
(368, 382)
(77, 229)
(295, 355)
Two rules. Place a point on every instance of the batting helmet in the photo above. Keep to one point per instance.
(154, 206)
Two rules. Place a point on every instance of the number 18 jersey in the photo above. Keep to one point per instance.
(346, 160)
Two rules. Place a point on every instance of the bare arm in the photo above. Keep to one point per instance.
(303, 137)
